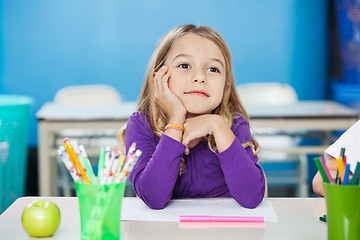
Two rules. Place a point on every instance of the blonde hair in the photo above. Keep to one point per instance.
(230, 105)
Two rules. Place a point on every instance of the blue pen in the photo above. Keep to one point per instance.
(346, 174)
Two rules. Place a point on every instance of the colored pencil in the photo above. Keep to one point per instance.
(321, 170)
(356, 175)
(346, 174)
(327, 172)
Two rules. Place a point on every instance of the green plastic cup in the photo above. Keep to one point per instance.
(343, 211)
(100, 210)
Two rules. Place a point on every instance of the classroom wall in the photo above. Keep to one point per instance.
(46, 45)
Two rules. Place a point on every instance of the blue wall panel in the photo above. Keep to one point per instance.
(46, 45)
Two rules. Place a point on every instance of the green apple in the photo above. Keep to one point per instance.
(41, 218)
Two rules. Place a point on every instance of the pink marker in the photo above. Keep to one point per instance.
(322, 161)
(130, 152)
(206, 218)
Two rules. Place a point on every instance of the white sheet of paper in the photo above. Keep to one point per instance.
(134, 209)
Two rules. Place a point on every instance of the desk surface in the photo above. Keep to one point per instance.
(302, 109)
(60, 112)
(297, 219)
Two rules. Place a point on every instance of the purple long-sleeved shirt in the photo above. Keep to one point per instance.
(231, 173)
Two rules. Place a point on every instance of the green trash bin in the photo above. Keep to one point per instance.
(14, 129)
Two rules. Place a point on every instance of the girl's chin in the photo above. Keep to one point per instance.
(191, 113)
(200, 108)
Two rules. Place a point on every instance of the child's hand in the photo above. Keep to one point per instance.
(200, 126)
(196, 127)
(318, 187)
(165, 98)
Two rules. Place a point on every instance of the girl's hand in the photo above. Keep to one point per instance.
(318, 181)
(166, 99)
(200, 126)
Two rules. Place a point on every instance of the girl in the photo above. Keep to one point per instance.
(191, 127)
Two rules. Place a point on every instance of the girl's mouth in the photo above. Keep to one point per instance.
(198, 93)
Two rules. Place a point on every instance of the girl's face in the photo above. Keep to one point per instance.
(198, 73)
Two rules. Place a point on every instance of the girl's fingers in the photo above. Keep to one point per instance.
(155, 87)
(157, 75)
(158, 79)
(165, 80)
(186, 138)
(164, 97)
(187, 151)
(158, 82)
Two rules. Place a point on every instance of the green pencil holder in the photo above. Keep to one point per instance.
(343, 211)
(100, 210)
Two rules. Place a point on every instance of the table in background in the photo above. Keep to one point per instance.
(325, 116)
(53, 118)
(315, 120)
(298, 218)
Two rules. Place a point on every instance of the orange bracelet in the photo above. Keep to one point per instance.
(175, 126)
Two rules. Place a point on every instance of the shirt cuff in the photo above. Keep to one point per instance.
(231, 150)
(168, 142)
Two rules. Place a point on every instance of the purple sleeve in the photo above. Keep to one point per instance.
(243, 175)
(155, 174)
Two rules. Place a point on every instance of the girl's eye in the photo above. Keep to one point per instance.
(184, 65)
(214, 69)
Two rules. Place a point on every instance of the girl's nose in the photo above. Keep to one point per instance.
(199, 81)
(199, 78)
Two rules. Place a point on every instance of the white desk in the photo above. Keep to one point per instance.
(298, 218)
(324, 116)
(308, 115)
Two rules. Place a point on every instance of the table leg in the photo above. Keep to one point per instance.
(303, 185)
(47, 167)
